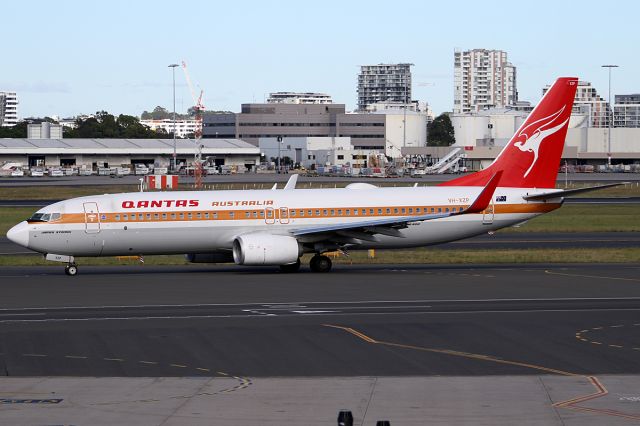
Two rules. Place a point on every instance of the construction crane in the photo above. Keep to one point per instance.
(199, 110)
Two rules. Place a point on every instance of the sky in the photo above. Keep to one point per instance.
(75, 57)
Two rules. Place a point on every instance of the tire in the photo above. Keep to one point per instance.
(320, 263)
(71, 270)
(291, 267)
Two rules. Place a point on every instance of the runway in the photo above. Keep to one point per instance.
(499, 240)
(175, 321)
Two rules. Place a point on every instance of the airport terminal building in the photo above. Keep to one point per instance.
(103, 153)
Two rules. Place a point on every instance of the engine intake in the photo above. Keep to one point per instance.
(265, 249)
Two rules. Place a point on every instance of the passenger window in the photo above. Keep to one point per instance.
(418, 210)
(117, 217)
(339, 212)
(410, 211)
(324, 212)
(232, 215)
(247, 215)
(255, 214)
(125, 217)
(164, 216)
(181, 215)
(140, 216)
(432, 210)
(173, 215)
(379, 211)
(156, 216)
(293, 212)
(439, 210)
(317, 212)
(190, 215)
(215, 215)
(261, 213)
(404, 211)
(388, 211)
(333, 212)
(206, 215)
(395, 210)
(446, 210)
(301, 213)
(148, 216)
(199, 215)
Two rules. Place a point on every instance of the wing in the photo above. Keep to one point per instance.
(366, 229)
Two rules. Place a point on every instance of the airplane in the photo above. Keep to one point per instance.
(276, 227)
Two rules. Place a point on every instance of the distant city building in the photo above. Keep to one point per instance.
(384, 83)
(588, 102)
(44, 130)
(8, 109)
(483, 79)
(184, 128)
(299, 98)
(626, 111)
(375, 131)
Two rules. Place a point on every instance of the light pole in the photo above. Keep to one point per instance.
(612, 116)
(173, 71)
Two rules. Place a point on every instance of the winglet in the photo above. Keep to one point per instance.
(484, 199)
(291, 183)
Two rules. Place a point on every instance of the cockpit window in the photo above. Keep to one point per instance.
(44, 217)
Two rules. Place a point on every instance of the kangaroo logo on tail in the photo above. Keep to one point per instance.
(538, 134)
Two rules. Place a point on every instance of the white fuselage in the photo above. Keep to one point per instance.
(206, 221)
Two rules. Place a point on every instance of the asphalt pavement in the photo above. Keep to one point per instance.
(257, 322)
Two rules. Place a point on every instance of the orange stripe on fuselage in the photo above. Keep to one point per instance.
(293, 213)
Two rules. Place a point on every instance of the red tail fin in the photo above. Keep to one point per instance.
(532, 156)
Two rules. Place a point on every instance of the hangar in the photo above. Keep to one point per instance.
(98, 153)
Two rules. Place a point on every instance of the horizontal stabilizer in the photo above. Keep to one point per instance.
(568, 192)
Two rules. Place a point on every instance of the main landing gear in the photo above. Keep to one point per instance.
(71, 269)
(320, 263)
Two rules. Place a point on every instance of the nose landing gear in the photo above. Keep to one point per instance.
(71, 269)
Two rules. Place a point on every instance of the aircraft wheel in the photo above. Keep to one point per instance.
(291, 267)
(320, 263)
(71, 270)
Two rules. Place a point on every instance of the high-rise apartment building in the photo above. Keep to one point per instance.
(626, 111)
(483, 79)
(299, 98)
(590, 104)
(8, 109)
(384, 83)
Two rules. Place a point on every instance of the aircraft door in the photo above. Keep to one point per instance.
(284, 215)
(488, 214)
(91, 218)
(269, 216)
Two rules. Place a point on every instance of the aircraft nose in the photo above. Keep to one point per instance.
(19, 234)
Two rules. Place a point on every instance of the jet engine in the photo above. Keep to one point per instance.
(222, 256)
(265, 249)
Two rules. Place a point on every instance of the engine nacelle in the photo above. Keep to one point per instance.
(212, 257)
(265, 249)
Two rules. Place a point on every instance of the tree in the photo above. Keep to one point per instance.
(17, 131)
(158, 113)
(440, 131)
(105, 125)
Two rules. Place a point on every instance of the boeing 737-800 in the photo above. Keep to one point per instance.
(275, 227)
